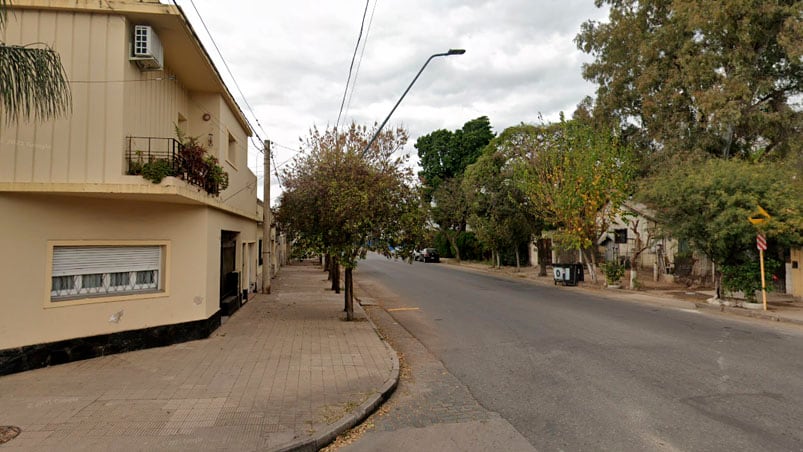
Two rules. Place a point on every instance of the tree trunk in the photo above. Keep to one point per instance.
(349, 294)
(498, 260)
(717, 276)
(590, 262)
(633, 275)
(518, 263)
(542, 251)
(327, 267)
(335, 273)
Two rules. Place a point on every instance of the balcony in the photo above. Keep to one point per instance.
(155, 158)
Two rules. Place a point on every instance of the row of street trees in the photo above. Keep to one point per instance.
(697, 114)
(341, 202)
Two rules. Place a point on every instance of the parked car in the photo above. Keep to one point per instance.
(427, 255)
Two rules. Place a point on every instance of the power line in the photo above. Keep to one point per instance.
(351, 67)
(362, 53)
(226, 65)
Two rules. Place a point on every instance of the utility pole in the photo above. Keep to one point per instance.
(266, 221)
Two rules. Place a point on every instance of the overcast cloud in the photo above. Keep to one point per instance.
(291, 61)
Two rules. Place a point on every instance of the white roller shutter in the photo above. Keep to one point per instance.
(85, 260)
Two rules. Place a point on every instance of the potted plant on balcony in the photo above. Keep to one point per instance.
(198, 167)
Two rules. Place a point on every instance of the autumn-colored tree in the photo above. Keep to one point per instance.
(716, 77)
(577, 178)
(346, 202)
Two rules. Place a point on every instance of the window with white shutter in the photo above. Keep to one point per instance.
(96, 271)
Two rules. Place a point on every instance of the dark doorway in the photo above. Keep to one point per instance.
(229, 278)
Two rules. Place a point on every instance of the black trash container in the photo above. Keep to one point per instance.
(565, 274)
(579, 271)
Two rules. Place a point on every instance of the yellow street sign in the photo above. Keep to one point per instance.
(759, 217)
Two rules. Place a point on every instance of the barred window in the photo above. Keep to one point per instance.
(89, 271)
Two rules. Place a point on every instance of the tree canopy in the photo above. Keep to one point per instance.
(342, 203)
(444, 155)
(715, 77)
(708, 203)
(576, 178)
(498, 210)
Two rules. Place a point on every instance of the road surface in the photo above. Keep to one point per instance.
(573, 370)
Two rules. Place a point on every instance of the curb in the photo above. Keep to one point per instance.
(324, 438)
(748, 313)
(762, 315)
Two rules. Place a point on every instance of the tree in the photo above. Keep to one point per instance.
(346, 203)
(445, 155)
(577, 177)
(450, 212)
(708, 203)
(714, 77)
(497, 206)
(33, 83)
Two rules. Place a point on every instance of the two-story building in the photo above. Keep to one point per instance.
(95, 258)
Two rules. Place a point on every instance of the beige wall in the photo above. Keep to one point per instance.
(38, 219)
(85, 152)
(797, 273)
(217, 221)
(112, 100)
(192, 276)
(84, 147)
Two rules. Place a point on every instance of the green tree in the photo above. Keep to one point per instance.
(33, 83)
(450, 212)
(708, 203)
(714, 77)
(497, 206)
(445, 155)
(345, 203)
(577, 178)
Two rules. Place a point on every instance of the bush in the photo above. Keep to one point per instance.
(746, 277)
(613, 271)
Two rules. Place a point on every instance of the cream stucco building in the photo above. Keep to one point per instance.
(96, 259)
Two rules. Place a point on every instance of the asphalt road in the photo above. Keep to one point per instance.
(572, 371)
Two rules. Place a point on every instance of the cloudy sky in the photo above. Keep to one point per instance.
(291, 62)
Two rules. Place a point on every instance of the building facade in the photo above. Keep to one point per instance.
(97, 259)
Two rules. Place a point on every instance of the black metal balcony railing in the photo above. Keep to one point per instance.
(144, 150)
(154, 158)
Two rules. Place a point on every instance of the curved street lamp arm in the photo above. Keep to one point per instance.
(450, 52)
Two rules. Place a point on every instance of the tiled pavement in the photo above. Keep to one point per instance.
(284, 371)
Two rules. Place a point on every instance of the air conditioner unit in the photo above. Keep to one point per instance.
(146, 49)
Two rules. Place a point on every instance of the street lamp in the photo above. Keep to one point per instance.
(450, 52)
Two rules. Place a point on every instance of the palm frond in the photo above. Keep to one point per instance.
(33, 83)
(4, 4)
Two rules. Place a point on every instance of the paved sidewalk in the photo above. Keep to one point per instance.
(284, 372)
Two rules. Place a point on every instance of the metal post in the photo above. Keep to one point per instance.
(266, 221)
(763, 283)
(450, 52)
